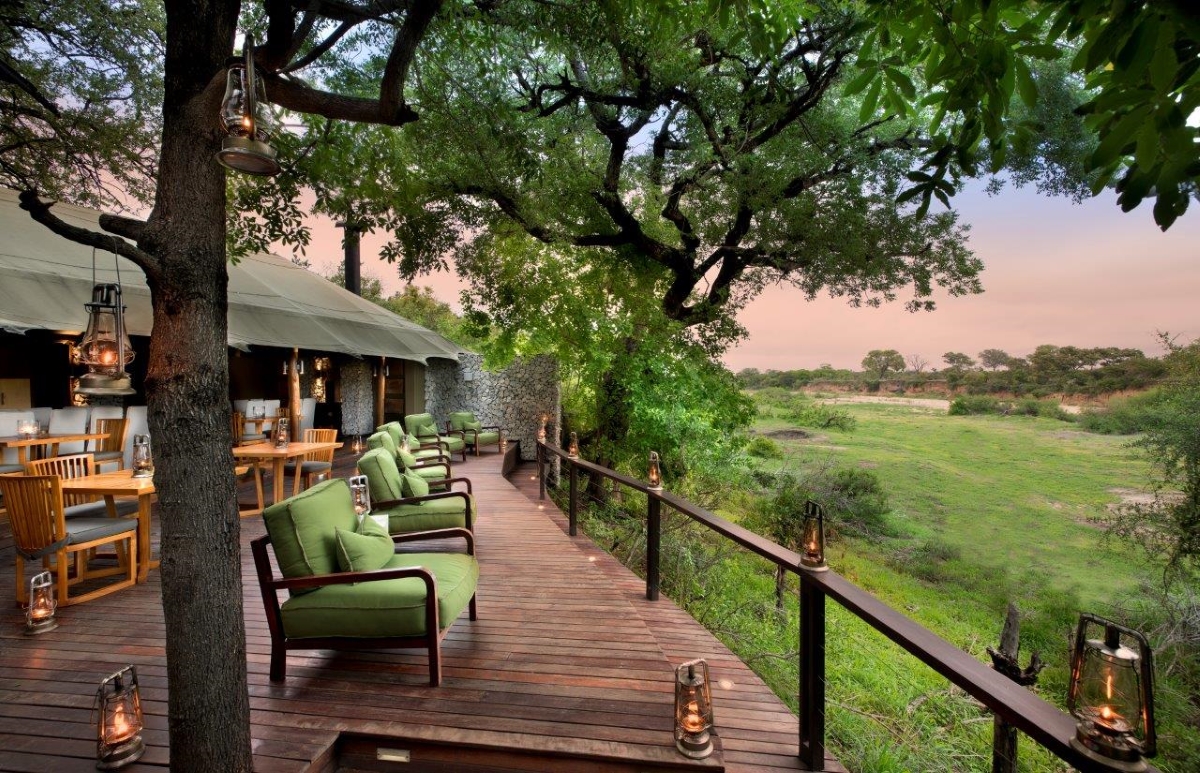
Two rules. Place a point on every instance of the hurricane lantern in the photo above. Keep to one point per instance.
(105, 347)
(28, 428)
(693, 710)
(281, 432)
(361, 493)
(357, 445)
(249, 125)
(404, 444)
(1111, 693)
(654, 472)
(573, 448)
(119, 720)
(812, 539)
(541, 433)
(143, 461)
(39, 615)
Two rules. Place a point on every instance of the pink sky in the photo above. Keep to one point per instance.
(1055, 272)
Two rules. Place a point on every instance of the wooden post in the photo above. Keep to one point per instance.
(294, 396)
(380, 389)
(1004, 735)
(812, 674)
(653, 540)
(573, 501)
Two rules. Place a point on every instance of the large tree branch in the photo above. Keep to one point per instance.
(296, 96)
(319, 50)
(40, 212)
(416, 22)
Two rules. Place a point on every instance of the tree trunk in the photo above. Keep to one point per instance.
(187, 390)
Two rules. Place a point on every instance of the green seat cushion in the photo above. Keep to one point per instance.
(384, 608)
(365, 550)
(303, 529)
(424, 453)
(414, 485)
(446, 513)
(436, 472)
(453, 442)
(384, 481)
(487, 437)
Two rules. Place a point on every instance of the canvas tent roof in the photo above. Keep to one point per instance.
(45, 280)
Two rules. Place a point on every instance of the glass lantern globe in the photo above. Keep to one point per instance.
(812, 538)
(119, 720)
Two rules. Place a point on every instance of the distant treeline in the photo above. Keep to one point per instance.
(1048, 370)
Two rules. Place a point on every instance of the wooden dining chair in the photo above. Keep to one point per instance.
(315, 464)
(110, 450)
(78, 466)
(238, 429)
(41, 532)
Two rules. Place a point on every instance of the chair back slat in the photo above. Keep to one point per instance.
(115, 429)
(320, 436)
(35, 510)
(72, 466)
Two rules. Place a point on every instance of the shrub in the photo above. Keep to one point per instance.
(822, 416)
(1126, 416)
(763, 448)
(968, 405)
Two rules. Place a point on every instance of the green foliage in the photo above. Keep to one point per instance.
(969, 405)
(821, 416)
(879, 361)
(958, 361)
(763, 448)
(1122, 416)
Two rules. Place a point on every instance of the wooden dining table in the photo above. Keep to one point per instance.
(278, 456)
(121, 483)
(51, 441)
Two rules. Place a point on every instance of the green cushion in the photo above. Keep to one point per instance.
(427, 430)
(365, 550)
(383, 477)
(381, 440)
(461, 419)
(392, 607)
(435, 472)
(453, 442)
(405, 458)
(415, 420)
(487, 437)
(413, 442)
(425, 453)
(303, 529)
(443, 513)
(415, 485)
(393, 429)
(477, 426)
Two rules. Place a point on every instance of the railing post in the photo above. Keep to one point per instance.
(541, 467)
(812, 674)
(573, 505)
(653, 538)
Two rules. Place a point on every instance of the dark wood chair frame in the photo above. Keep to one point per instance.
(430, 641)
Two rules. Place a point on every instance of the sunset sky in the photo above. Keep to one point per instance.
(1055, 272)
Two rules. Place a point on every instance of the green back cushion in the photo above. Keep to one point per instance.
(460, 419)
(413, 442)
(414, 421)
(382, 440)
(393, 429)
(475, 425)
(303, 529)
(383, 477)
(365, 550)
(427, 430)
(415, 485)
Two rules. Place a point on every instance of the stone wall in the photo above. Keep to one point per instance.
(514, 398)
(358, 398)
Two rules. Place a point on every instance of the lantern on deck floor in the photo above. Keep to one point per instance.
(541, 433)
(654, 473)
(105, 347)
(693, 710)
(812, 538)
(1111, 693)
(573, 448)
(249, 125)
(119, 720)
(357, 445)
(143, 462)
(39, 615)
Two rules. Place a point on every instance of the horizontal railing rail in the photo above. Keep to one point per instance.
(1042, 721)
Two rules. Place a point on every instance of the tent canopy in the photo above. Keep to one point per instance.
(45, 280)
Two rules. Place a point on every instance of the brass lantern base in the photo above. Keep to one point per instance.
(695, 747)
(103, 384)
(41, 626)
(1112, 751)
(242, 154)
(125, 753)
(814, 566)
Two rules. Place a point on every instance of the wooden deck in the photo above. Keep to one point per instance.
(567, 658)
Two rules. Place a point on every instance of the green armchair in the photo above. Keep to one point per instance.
(425, 428)
(349, 589)
(421, 450)
(405, 499)
(435, 470)
(474, 432)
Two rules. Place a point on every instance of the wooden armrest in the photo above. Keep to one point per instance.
(439, 534)
(449, 482)
(349, 578)
(459, 432)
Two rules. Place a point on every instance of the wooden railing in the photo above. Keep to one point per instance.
(1043, 722)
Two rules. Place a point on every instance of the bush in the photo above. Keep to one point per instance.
(969, 405)
(821, 416)
(763, 448)
(1126, 416)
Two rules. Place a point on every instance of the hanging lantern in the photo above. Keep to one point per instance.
(693, 710)
(105, 347)
(654, 473)
(1111, 693)
(573, 448)
(39, 615)
(280, 432)
(143, 462)
(249, 125)
(812, 539)
(119, 720)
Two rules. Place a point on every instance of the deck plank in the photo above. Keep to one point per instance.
(566, 655)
